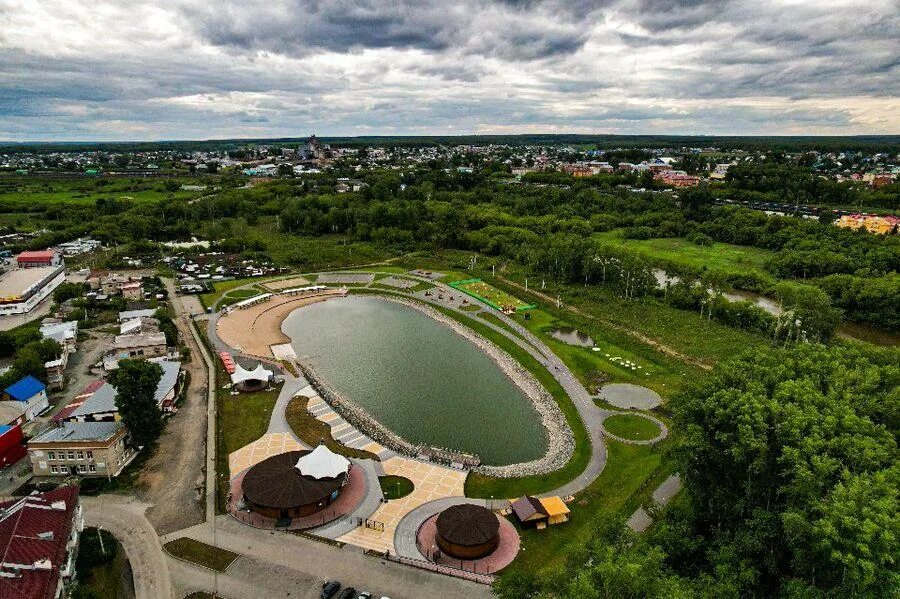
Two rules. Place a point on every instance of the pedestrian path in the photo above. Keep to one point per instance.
(342, 431)
(641, 520)
(431, 482)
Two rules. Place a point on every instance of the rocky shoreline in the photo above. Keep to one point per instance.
(560, 441)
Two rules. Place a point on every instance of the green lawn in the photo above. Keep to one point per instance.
(497, 298)
(312, 431)
(627, 467)
(395, 487)
(720, 257)
(196, 552)
(595, 368)
(241, 419)
(221, 288)
(630, 426)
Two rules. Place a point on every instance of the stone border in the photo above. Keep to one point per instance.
(663, 429)
(560, 440)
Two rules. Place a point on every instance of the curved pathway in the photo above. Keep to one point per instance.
(663, 429)
(408, 527)
(125, 519)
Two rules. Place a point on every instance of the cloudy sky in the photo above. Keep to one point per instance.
(199, 69)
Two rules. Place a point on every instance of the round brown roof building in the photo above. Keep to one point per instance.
(277, 488)
(467, 531)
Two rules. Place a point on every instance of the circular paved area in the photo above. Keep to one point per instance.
(502, 556)
(630, 397)
(663, 430)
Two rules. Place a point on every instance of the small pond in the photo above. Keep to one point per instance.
(571, 336)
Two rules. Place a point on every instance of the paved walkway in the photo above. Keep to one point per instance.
(628, 396)
(431, 482)
(125, 519)
(641, 520)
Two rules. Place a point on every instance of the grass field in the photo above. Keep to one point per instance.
(311, 430)
(196, 552)
(719, 257)
(630, 426)
(395, 487)
(32, 191)
(627, 468)
(241, 419)
(496, 298)
(221, 288)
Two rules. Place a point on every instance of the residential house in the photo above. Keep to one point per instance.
(12, 412)
(131, 314)
(32, 393)
(101, 405)
(38, 544)
(64, 333)
(140, 345)
(144, 324)
(132, 291)
(81, 448)
(56, 371)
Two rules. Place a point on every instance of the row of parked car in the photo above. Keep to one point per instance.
(330, 590)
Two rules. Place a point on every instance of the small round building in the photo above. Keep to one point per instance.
(296, 483)
(467, 531)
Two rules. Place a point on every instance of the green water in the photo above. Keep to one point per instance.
(417, 377)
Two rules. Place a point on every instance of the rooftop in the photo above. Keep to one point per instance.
(103, 399)
(25, 388)
(68, 432)
(34, 532)
(19, 281)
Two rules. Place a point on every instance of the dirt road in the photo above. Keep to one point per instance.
(172, 481)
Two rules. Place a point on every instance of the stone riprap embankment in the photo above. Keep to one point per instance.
(560, 441)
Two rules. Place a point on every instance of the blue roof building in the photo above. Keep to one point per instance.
(30, 392)
(25, 388)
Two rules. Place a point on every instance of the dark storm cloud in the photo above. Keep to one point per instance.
(283, 67)
(300, 27)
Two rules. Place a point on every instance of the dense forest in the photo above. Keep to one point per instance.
(790, 464)
(548, 229)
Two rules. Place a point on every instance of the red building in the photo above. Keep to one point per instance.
(11, 447)
(37, 258)
(39, 541)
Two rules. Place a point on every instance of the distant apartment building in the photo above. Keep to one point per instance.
(676, 179)
(82, 449)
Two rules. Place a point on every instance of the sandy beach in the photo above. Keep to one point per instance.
(255, 329)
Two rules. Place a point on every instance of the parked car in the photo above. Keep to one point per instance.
(329, 588)
(364, 595)
(348, 593)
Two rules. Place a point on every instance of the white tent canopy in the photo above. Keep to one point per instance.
(321, 462)
(242, 375)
